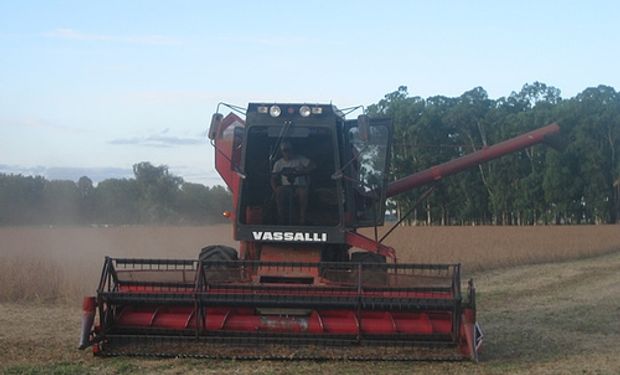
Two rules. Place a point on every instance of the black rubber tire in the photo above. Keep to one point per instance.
(376, 276)
(220, 273)
(218, 253)
(334, 253)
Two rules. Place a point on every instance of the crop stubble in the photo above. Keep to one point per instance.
(558, 317)
(553, 318)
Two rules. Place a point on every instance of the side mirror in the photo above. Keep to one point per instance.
(363, 125)
(216, 121)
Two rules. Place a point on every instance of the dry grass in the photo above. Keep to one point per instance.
(64, 263)
(26, 278)
(489, 247)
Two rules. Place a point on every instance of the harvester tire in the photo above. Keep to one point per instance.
(371, 275)
(217, 253)
(216, 273)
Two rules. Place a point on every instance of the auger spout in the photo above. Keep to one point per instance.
(468, 161)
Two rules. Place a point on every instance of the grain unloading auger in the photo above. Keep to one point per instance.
(304, 282)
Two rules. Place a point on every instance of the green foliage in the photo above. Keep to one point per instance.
(538, 185)
(157, 190)
(154, 196)
(21, 199)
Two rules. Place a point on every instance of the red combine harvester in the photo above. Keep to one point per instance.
(304, 282)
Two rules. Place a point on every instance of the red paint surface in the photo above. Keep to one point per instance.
(332, 322)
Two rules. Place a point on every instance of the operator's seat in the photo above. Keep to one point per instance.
(323, 206)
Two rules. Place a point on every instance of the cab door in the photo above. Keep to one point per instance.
(365, 169)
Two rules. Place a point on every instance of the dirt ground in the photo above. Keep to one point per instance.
(554, 318)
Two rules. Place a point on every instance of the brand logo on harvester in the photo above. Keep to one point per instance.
(290, 236)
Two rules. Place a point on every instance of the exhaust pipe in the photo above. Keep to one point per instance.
(88, 317)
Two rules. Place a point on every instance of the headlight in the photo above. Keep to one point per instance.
(304, 111)
(317, 110)
(275, 111)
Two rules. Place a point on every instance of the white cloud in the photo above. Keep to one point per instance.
(160, 139)
(280, 41)
(71, 34)
(35, 122)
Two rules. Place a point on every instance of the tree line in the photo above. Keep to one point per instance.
(580, 184)
(153, 196)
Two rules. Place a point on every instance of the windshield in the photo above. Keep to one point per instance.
(288, 178)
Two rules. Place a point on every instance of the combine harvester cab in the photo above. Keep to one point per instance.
(304, 283)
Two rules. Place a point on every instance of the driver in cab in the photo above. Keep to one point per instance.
(290, 180)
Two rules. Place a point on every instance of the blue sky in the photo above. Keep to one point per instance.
(94, 87)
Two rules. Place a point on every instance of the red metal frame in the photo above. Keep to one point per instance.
(224, 155)
(318, 322)
(360, 241)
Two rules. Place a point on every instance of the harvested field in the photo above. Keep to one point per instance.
(554, 318)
